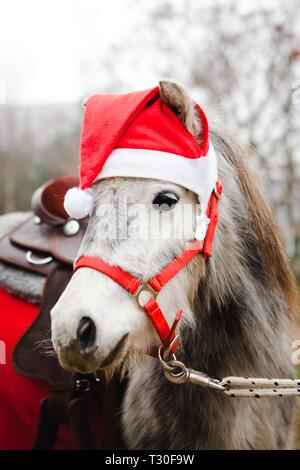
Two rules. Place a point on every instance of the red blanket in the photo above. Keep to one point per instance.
(19, 397)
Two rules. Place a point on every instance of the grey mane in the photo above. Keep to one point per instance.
(241, 329)
(19, 282)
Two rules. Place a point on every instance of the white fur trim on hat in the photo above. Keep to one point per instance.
(196, 174)
(78, 203)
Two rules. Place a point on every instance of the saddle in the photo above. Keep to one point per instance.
(47, 244)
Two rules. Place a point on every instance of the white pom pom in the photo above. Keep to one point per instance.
(78, 203)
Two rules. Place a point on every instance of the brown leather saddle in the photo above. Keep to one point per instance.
(47, 244)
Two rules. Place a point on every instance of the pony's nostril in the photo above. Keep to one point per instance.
(86, 334)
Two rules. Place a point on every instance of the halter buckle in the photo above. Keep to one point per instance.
(143, 287)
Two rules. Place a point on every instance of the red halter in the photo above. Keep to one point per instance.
(135, 286)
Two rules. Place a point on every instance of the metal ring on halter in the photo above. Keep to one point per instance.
(177, 377)
(162, 361)
(37, 262)
(143, 287)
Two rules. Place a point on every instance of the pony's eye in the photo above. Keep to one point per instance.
(165, 201)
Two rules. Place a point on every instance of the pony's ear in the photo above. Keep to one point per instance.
(178, 99)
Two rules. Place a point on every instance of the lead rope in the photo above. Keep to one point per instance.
(177, 372)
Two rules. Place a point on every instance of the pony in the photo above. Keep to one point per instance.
(236, 305)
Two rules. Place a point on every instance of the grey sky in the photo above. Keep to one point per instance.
(44, 45)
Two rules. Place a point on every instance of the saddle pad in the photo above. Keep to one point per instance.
(19, 396)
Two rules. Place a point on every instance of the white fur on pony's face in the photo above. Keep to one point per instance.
(122, 232)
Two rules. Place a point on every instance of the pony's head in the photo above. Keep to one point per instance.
(141, 225)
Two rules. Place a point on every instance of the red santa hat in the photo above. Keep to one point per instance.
(138, 135)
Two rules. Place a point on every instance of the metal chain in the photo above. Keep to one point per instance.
(177, 373)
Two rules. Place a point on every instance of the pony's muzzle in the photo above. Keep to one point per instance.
(86, 346)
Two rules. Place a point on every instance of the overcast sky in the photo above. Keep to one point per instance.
(45, 43)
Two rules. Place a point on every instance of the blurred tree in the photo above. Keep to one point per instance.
(240, 59)
(41, 142)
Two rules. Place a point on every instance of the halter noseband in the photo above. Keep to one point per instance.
(136, 287)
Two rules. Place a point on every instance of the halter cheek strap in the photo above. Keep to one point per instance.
(153, 286)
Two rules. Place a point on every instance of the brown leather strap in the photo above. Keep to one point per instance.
(94, 415)
(47, 429)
